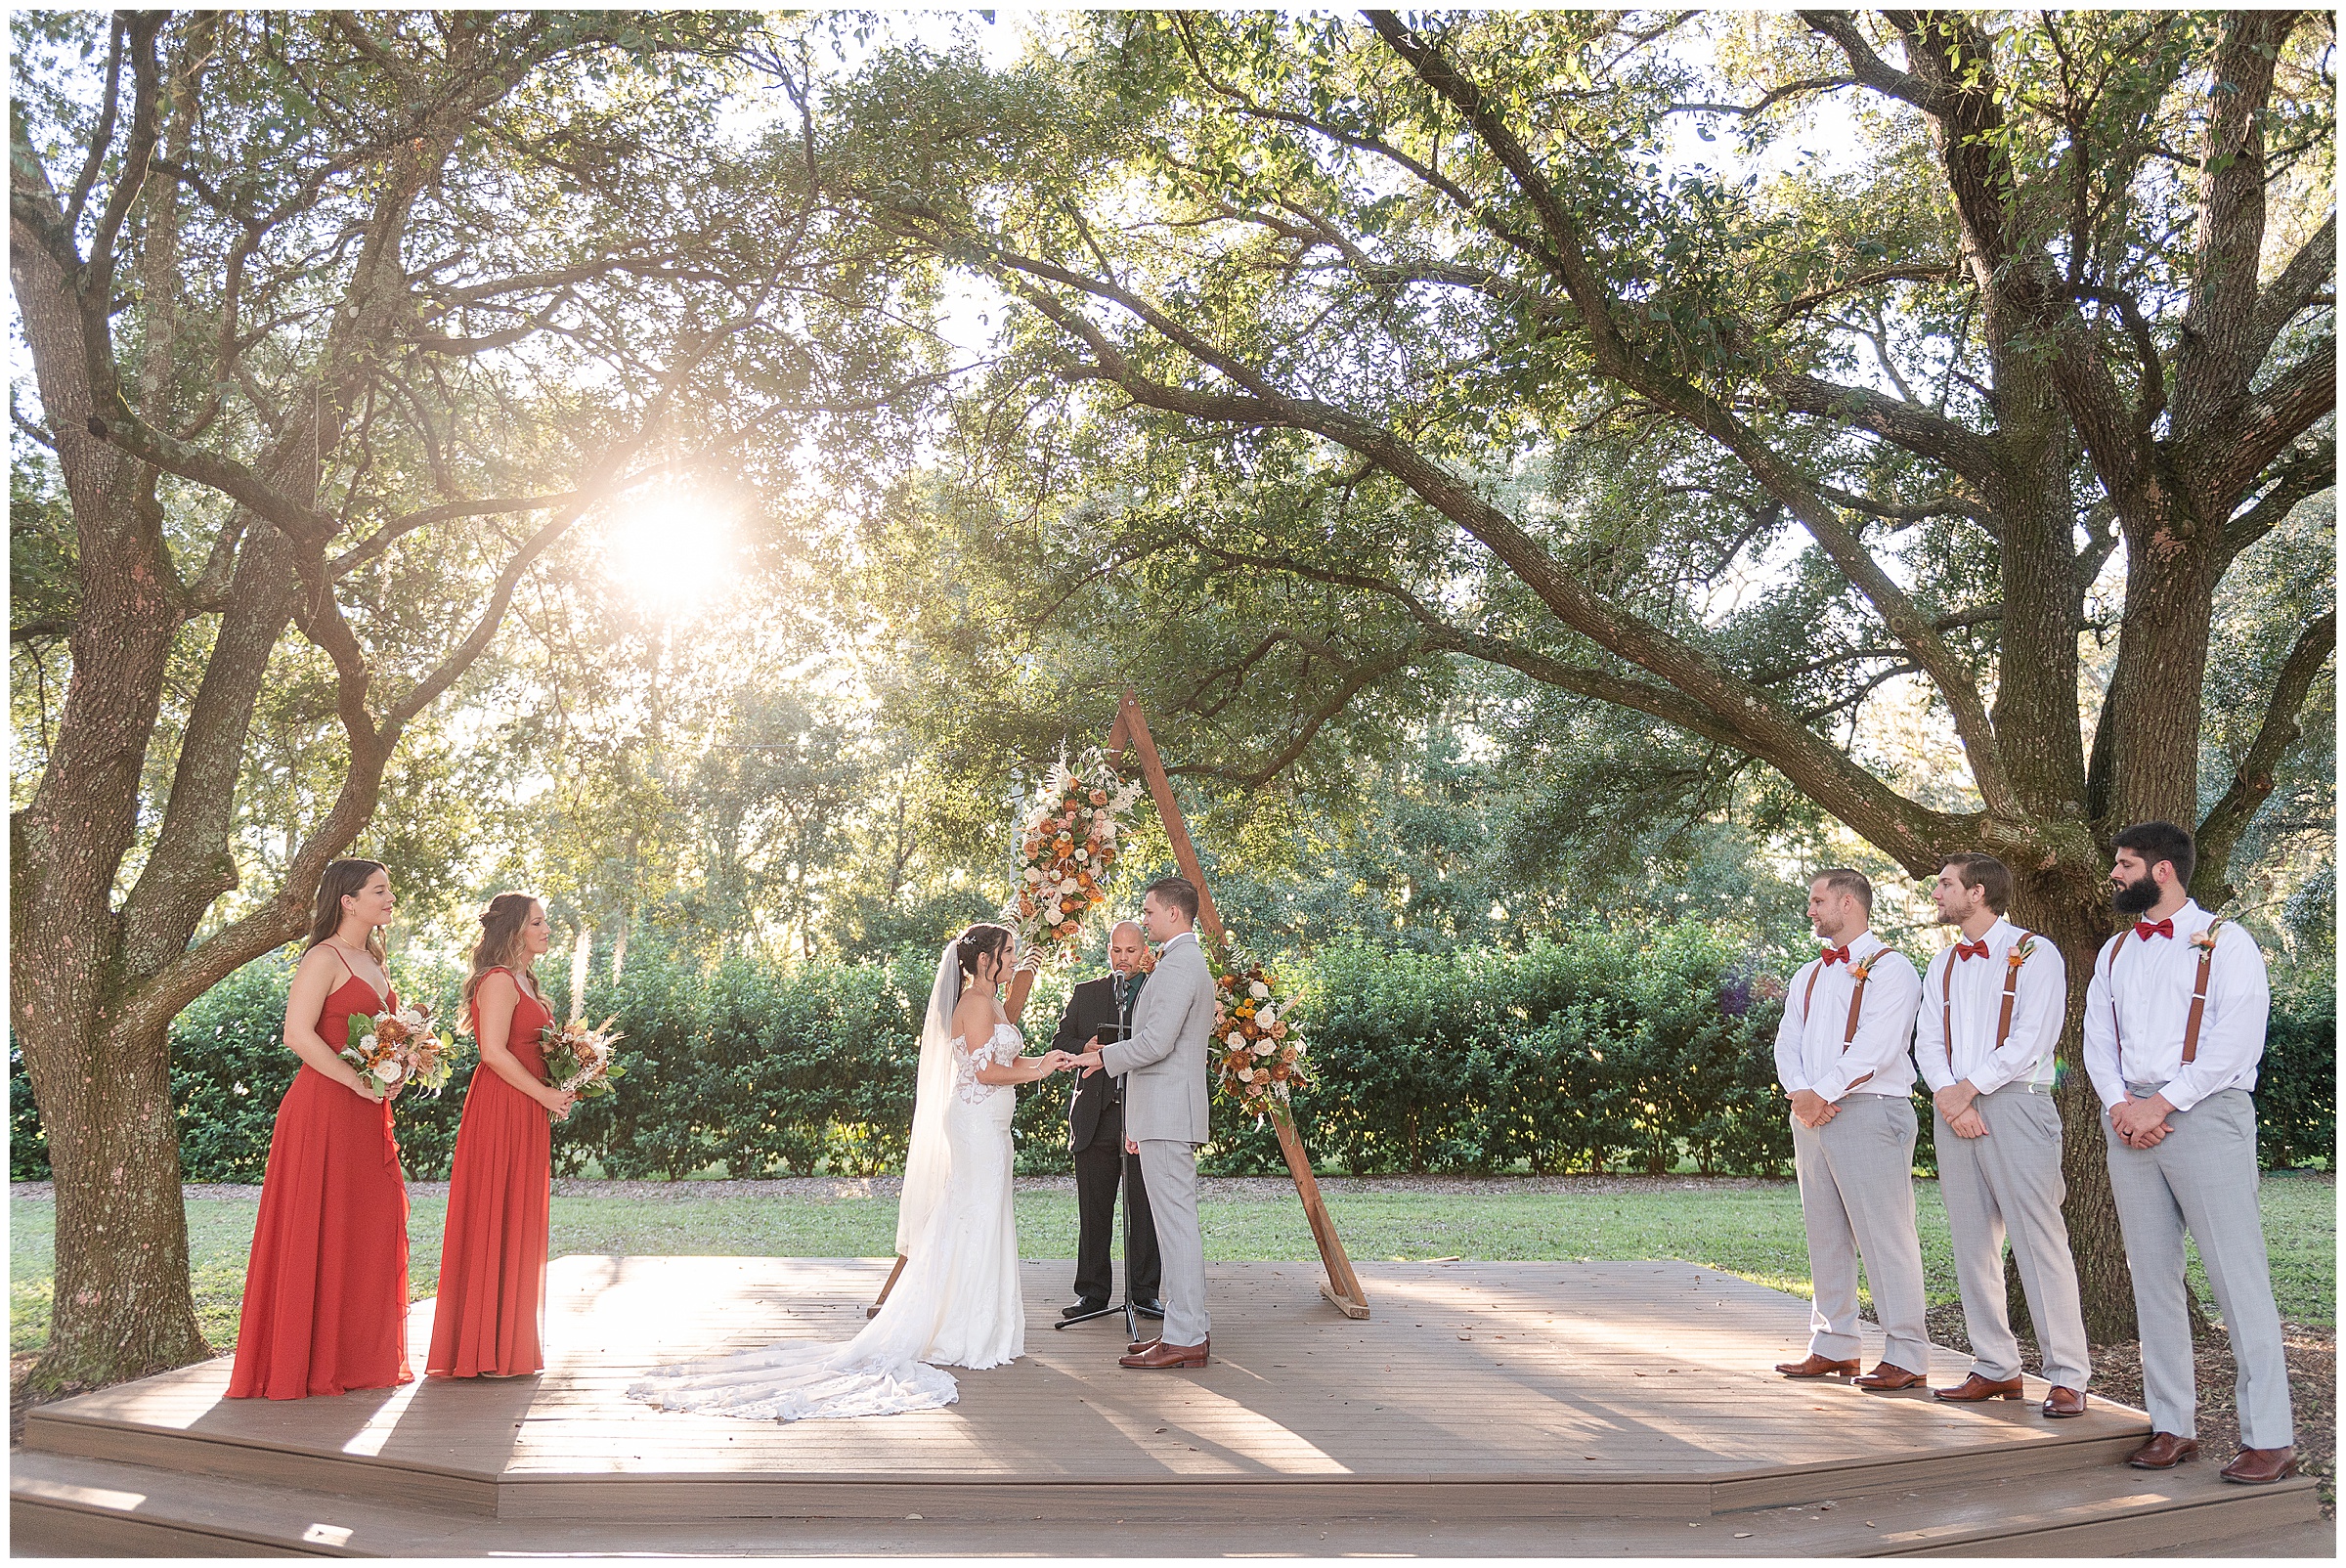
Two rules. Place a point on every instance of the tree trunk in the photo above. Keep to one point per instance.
(122, 1308)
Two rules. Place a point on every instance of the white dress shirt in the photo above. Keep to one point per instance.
(2154, 980)
(1809, 1052)
(1976, 999)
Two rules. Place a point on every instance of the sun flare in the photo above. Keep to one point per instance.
(674, 554)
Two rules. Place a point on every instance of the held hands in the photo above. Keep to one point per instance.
(1957, 1109)
(1812, 1109)
(2141, 1123)
(1089, 1061)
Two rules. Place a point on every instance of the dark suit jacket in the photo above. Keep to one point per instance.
(1092, 1010)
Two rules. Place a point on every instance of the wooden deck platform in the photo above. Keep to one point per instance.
(1514, 1408)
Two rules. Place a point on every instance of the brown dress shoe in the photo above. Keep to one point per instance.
(2163, 1451)
(1885, 1378)
(1162, 1357)
(1140, 1345)
(2064, 1402)
(2255, 1467)
(1816, 1366)
(1976, 1388)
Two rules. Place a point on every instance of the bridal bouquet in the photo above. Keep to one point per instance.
(583, 1060)
(400, 1048)
(1066, 846)
(1258, 1033)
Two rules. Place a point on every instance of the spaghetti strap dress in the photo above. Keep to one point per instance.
(326, 1293)
(499, 1193)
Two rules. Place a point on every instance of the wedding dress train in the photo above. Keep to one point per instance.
(956, 1304)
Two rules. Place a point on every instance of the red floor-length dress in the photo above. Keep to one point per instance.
(493, 1256)
(326, 1293)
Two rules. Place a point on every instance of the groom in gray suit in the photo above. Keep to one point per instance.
(1165, 1112)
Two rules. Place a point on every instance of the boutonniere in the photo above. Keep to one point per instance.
(2019, 953)
(1864, 967)
(2205, 938)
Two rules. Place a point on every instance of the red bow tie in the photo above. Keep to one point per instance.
(1836, 955)
(2146, 931)
(1978, 949)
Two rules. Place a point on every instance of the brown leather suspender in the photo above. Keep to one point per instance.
(2011, 986)
(2207, 960)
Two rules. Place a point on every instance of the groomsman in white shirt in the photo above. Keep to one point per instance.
(1990, 1022)
(2174, 1028)
(1841, 1055)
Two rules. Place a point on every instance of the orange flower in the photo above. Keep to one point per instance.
(1066, 927)
(1099, 797)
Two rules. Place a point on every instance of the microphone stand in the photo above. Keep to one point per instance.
(1130, 1309)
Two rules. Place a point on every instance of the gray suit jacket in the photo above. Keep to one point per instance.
(1164, 1095)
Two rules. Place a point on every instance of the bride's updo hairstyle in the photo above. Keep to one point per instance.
(980, 940)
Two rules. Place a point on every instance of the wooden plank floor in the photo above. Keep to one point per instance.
(1472, 1374)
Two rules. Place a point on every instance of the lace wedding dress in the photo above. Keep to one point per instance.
(956, 1304)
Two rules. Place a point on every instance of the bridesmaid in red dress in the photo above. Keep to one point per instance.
(493, 1256)
(326, 1293)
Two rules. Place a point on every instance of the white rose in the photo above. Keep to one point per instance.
(1035, 873)
(1260, 991)
(390, 1072)
(1234, 1040)
(1066, 884)
(1266, 1015)
(1246, 1074)
(1265, 1047)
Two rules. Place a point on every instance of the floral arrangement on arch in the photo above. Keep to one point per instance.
(1258, 1032)
(1067, 846)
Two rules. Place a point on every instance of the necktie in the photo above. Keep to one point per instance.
(1836, 955)
(1978, 949)
(2146, 929)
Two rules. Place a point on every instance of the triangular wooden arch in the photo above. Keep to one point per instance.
(1130, 734)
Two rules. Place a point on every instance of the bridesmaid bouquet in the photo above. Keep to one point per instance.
(400, 1048)
(582, 1061)
(1258, 1033)
(1066, 846)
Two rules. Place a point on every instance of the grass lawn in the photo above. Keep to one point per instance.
(1748, 1229)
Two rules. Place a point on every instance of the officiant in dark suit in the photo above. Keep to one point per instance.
(1096, 1134)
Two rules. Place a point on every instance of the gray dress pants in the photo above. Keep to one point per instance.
(2009, 1183)
(2201, 1177)
(1169, 1169)
(1857, 1198)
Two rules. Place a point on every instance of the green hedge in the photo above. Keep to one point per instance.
(1628, 1049)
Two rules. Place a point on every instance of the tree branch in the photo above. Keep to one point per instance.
(1870, 68)
(1618, 358)
(2301, 285)
(2252, 782)
(2307, 471)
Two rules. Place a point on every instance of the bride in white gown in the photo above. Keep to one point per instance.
(957, 1303)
